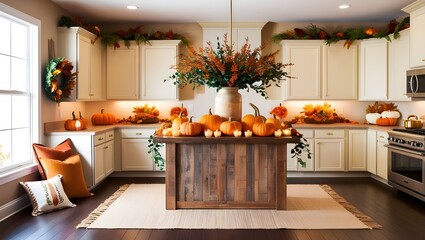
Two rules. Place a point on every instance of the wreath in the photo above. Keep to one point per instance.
(59, 79)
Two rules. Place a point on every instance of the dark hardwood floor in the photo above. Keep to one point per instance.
(401, 216)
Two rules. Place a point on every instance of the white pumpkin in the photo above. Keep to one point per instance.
(390, 114)
(372, 117)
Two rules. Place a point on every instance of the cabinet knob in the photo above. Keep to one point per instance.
(106, 147)
(423, 59)
(329, 134)
(111, 135)
(101, 138)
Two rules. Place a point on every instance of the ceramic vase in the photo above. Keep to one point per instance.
(228, 103)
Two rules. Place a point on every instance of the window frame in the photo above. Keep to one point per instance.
(34, 88)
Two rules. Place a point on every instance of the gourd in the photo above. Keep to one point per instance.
(263, 129)
(177, 122)
(372, 117)
(74, 124)
(190, 128)
(210, 121)
(249, 119)
(228, 127)
(386, 121)
(103, 118)
(390, 114)
(276, 122)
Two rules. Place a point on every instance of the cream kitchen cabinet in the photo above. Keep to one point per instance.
(417, 33)
(382, 154)
(320, 71)
(123, 72)
(76, 44)
(357, 150)
(373, 76)
(329, 150)
(398, 63)
(103, 155)
(134, 147)
(292, 163)
(371, 151)
(157, 58)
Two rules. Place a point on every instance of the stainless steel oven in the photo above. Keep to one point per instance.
(406, 161)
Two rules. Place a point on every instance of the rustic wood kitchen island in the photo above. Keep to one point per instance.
(226, 172)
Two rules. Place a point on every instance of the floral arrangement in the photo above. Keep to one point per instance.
(223, 67)
(349, 35)
(59, 80)
(113, 39)
(279, 111)
(320, 114)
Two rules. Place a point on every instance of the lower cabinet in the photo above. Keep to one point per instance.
(329, 150)
(357, 150)
(377, 153)
(134, 147)
(103, 156)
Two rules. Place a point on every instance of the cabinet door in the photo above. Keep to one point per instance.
(109, 157)
(83, 68)
(339, 72)
(96, 87)
(398, 63)
(373, 69)
(417, 38)
(371, 151)
(329, 154)
(122, 72)
(306, 71)
(135, 155)
(357, 155)
(157, 58)
(382, 155)
(293, 165)
(99, 163)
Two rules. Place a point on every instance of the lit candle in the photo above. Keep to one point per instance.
(248, 133)
(278, 133)
(287, 132)
(208, 133)
(237, 133)
(217, 133)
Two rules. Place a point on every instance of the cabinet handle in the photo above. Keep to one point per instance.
(139, 134)
(106, 147)
(111, 135)
(329, 134)
(91, 94)
(101, 138)
(423, 59)
(381, 137)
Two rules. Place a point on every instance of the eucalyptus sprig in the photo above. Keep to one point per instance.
(156, 154)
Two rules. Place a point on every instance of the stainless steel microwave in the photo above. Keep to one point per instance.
(415, 83)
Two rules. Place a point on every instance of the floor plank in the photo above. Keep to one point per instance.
(402, 217)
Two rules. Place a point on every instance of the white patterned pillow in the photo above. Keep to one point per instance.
(47, 195)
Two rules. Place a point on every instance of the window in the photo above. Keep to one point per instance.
(19, 88)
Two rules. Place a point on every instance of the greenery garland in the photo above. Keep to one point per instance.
(59, 80)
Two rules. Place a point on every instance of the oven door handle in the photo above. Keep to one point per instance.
(405, 150)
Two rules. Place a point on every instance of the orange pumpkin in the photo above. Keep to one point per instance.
(84, 120)
(386, 121)
(190, 128)
(103, 118)
(276, 122)
(249, 119)
(74, 124)
(228, 127)
(177, 122)
(210, 121)
(263, 129)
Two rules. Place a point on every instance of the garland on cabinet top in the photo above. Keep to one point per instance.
(349, 35)
(113, 39)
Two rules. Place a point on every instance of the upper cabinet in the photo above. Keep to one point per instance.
(156, 61)
(123, 72)
(320, 71)
(417, 33)
(398, 64)
(373, 75)
(78, 46)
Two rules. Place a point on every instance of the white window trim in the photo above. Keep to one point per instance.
(35, 91)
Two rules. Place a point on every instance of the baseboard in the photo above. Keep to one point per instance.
(327, 174)
(138, 174)
(13, 207)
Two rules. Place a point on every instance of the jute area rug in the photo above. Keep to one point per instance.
(142, 206)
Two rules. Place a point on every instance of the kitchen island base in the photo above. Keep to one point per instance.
(226, 172)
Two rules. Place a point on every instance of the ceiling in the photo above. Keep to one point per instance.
(184, 11)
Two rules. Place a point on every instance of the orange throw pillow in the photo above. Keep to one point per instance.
(61, 152)
(71, 170)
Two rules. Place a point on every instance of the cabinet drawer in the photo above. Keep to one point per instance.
(99, 138)
(307, 133)
(137, 133)
(382, 136)
(329, 133)
(109, 136)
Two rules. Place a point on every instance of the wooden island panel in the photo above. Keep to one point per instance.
(225, 174)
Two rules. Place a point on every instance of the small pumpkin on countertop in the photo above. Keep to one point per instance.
(263, 129)
(210, 121)
(386, 121)
(276, 122)
(249, 119)
(190, 128)
(103, 118)
(229, 126)
(74, 124)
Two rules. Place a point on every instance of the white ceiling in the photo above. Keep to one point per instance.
(180, 11)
